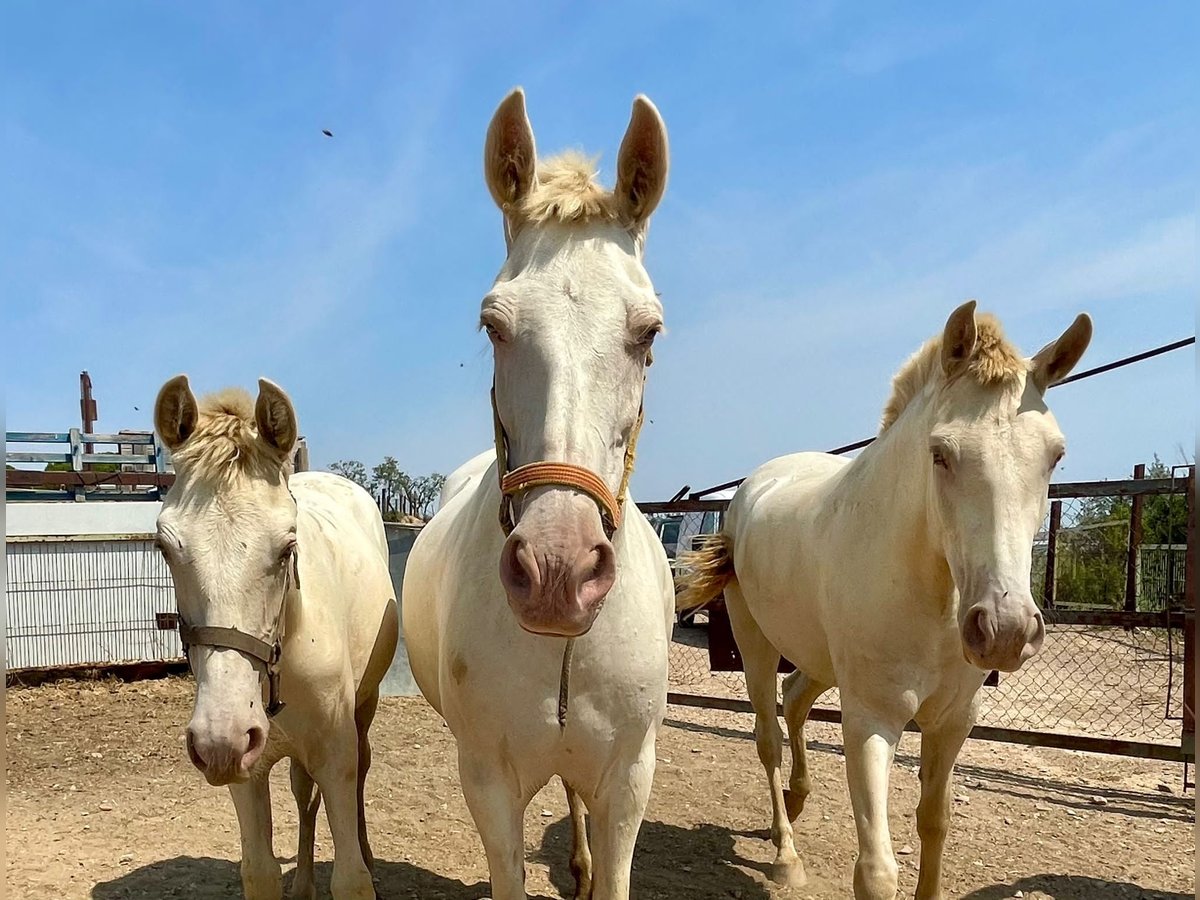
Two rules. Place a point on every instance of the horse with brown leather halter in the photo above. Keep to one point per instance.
(560, 474)
(269, 653)
(569, 601)
(229, 530)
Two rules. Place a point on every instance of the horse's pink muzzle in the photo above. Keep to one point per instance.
(224, 754)
(1002, 631)
(556, 571)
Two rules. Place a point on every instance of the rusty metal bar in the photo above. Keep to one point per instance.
(1051, 552)
(1140, 749)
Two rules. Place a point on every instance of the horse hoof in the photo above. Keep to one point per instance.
(793, 802)
(789, 874)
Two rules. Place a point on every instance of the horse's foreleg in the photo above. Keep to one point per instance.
(497, 805)
(762, 664)
(939, 749)
(308, 802)
(870, 747)
(363, 717)
(581, 854)
(799, 694)
(617, 812)
(337, 777)
(262, 878)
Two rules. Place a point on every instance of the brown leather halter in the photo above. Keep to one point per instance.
(579, 478)
(269, 654)
(562, 474)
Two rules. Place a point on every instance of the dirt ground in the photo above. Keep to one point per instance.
(103, 804)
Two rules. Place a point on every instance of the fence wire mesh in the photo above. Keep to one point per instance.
(1112, 681)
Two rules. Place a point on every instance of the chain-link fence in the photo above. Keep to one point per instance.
(1113, 663)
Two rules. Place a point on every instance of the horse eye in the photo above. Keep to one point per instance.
(288, 549)
(649, 335)
(1057, 460)
(939, 458)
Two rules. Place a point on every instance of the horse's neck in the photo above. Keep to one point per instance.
(895, 474)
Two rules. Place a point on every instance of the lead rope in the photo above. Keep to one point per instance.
(569, 475)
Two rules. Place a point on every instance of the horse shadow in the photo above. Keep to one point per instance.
(670, 862)
(1073, 887)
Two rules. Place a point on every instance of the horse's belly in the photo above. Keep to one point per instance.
(791, 620)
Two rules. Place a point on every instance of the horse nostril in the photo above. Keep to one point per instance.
(600, 573)
(979, 630)
(519, 570)
(193, 754)
(256, 741)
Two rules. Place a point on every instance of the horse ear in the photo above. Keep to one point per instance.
(642, 163)
(1055, 361)
(175, 412)
(958, 339)
(509, 155)
(275, 418)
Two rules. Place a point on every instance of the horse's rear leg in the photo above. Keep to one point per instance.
(799, 694)
(762, 666)
(262, 878)
(939, 748)
(308, 802)
(581, 853)
(363, 717)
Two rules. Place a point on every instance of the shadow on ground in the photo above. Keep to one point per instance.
(1075, 795)
(1072, 887)
(209, 879)
(670, 862)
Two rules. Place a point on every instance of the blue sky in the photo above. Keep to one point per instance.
(843, 175)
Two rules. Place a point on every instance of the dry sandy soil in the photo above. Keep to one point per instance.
(103, 804)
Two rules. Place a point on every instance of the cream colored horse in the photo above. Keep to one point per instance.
(902, 577)
(282, 582)
(488, 618)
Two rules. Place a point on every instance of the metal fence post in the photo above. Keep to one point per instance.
(1135, 544)
(1051, 551)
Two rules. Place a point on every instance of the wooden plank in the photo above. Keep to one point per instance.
(23, 457)
(133, 459)
(76, 450)
(1134, 546)
(118, 438)
(19, 478)
(37, 437)
(1051, 581)
(1129, 487)
(1140, 749)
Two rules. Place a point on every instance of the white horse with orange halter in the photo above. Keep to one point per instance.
(901, 577)
(282, 583)
(503, 591)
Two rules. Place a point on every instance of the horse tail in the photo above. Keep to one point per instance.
(707, 571)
